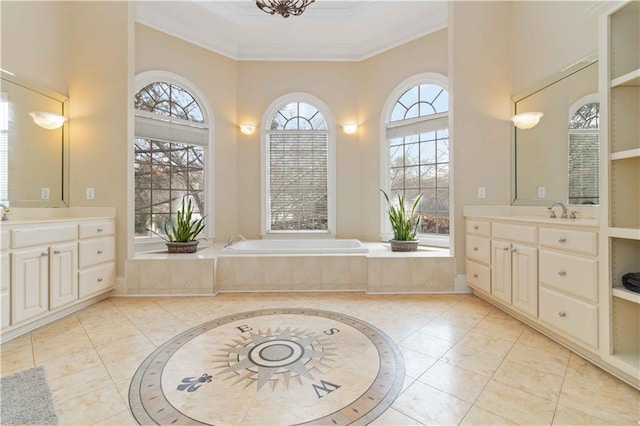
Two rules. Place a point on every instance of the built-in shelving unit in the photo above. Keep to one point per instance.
(620, 140)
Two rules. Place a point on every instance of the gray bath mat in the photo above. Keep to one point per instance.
(25, 398)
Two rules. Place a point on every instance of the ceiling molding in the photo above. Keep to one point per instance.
(332, 31)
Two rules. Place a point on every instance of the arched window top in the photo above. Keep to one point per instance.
(298, 116)
(586, 117)
(419, 101)
(170, 100)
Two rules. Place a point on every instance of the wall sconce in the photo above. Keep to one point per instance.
(526, 120)
(48, 120)
(350, 128)
(247, 129)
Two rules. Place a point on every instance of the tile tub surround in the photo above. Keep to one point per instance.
(207, 272)
(466, 361)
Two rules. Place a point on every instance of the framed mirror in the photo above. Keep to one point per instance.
(558, 159)
(34, 160)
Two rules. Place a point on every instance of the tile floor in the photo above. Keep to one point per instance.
(466, 361)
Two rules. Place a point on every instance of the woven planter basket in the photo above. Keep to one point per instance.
(404, 245)
(187, 247)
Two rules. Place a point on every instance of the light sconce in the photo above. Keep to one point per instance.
(526, 120)
(350, 128)
(48, 120)
(247, 129)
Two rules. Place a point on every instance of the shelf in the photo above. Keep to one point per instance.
(627, 233)
(631, 79)
(623, 155)
(625, 294)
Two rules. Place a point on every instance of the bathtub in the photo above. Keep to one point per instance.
(286, 246)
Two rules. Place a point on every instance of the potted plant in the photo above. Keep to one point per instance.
(182, 237)
(405, 225)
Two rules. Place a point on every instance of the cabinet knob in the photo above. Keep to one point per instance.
(506, 249)
(562, 314)
(475, 275)
(100, 279)
(475, 227)
(44, 253)
(562, 273)
(100, 229)
(562, 240)
(99, 251)
(513, 250)
(56, 252)
(475, 249)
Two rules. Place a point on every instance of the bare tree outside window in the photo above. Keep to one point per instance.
(166, 171)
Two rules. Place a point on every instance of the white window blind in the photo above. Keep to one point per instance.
(297, 192)
(170, 129)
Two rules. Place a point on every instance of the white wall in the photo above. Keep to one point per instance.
(479, 70)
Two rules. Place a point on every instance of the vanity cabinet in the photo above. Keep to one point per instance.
(96, 257)
(43, 276)
(514, 266)
(50, 269)
(479, 254)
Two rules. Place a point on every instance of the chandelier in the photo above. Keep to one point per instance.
(283, 7)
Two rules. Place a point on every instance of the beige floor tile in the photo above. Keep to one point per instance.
(554, 362)
(415, 363)
(16, 361)
(125, 367)
(428, 345)
(515, 405)
(455, 381)
(121, 419)
(482, 363)
(20, 343)
(479, 417)
(70, 363)
(444, 330)
(393, 417)
(500, 328)
(431, 406)
(92, 407)
(75, 385)
(484, 343)
(571, 416)
(528, 379)
(123, 347)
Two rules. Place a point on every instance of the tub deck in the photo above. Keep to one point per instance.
(209, 271)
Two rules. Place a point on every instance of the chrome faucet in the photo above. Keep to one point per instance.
(5, 211)
(232, 238)
(552, 213)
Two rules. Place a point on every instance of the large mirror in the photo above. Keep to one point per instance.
(558, 159)
(34, 161)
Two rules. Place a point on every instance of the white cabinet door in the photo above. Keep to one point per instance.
(63, 276)
(524, 274)
(5, 301)
(501, 270)
(29, 283)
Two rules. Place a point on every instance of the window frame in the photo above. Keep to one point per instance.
(573, 109)
(142, 80)
(265, 130)
(433, 240)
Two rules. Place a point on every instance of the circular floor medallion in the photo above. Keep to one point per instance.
(270, 367)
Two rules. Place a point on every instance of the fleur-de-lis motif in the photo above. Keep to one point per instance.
(192, 384)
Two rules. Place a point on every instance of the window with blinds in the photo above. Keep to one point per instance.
(297, 170)
(584, 148)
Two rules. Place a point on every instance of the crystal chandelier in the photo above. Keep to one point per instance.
(283, 7)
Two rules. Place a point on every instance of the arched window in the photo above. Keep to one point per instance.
(584, 149)
(298, 159)
(171, 154)
(416, 150)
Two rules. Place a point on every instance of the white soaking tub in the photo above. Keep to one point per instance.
(309, 246)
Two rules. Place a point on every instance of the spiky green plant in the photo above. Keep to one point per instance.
(405, 225)
(185, 228)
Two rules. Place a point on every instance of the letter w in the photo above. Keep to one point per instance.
(325, 387)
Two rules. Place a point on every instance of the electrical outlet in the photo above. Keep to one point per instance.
(44, 193)
(482, 192)
(91, 194)
(542, 192)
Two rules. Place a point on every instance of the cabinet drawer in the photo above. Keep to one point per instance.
(510, 232)
(95, 251)
(96, 279)
(479, 227)
(571, 316)
(570, 274)
(96, 229)
(578, 241)
(42, 236)
(479, 276)
(479, 249)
